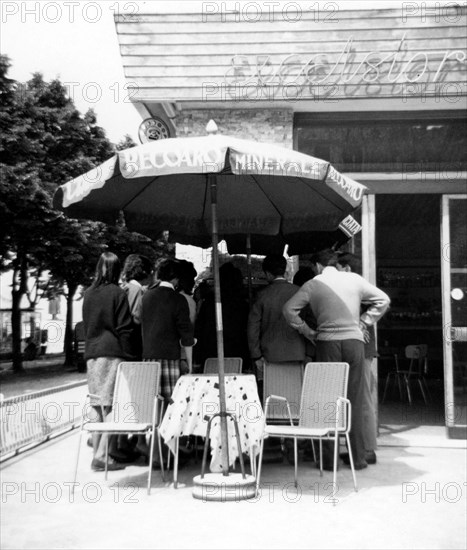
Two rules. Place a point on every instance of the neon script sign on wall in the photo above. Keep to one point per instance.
(377, 68)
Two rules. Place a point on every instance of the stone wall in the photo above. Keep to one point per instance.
(265, 125)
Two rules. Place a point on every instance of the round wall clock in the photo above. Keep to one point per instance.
(152, 129)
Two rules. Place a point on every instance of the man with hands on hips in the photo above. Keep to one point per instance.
(335, 298)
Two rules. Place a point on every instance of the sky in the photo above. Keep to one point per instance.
(76, 41)
(77, 44)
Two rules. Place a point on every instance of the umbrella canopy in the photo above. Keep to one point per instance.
(202, 187)
(262, 189)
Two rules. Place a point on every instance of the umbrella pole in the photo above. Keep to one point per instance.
(248, 264)
(221, 487)
(219, 329)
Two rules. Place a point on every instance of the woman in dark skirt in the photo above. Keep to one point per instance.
(108, 327)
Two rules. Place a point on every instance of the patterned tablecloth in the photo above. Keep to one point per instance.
(196, 398)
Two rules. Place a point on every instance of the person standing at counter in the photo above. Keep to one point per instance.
(137, 274)
(349, 263)
(107, 327)
(166, 325)
(336, 298)
(270, 338)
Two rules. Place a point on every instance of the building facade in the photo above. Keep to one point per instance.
(380, 93)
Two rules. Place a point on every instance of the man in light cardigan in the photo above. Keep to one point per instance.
(335, 298)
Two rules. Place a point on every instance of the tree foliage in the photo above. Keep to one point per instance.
(44, 142)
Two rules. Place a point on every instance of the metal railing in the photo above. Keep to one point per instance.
(30, 419)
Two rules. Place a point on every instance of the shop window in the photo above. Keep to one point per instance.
(375, 142)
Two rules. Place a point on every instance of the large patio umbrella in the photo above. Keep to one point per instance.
(201, 188)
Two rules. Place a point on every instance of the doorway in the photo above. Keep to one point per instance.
(408, 269)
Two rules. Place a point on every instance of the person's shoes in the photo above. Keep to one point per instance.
(370, 458)
(142, 450)
(345, 458)
(99, 465)
(361, 465)
(122, 457)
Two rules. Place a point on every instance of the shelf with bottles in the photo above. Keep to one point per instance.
(408, 278)
(423, 319)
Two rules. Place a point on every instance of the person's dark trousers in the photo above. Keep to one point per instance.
(351, 352)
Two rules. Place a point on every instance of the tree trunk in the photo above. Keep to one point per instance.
(19, 287)
(68, 345)
(16, 330)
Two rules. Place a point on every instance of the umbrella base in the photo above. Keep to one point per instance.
(220, 488)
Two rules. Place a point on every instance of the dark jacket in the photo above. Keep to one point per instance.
(135, 294)
(269, 335)
(165, 323)
(234, 322)
(107, 323)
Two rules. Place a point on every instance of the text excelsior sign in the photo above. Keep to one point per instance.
(297, 75)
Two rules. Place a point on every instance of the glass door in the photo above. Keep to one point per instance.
(454, 282)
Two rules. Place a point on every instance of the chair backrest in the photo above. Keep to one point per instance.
(136, 386)
(417, 355)
(232, 365)
(323, 383)
(285, 380)
(418, 351)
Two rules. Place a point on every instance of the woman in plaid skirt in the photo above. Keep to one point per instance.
(165, 323)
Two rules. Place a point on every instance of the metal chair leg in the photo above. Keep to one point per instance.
(239, 443)
(151, 454)
(77, 461)
(400, 385)
(423, 391)
(106, 455)
(334, 474)
(252, 462)
(407, 385)
(426, 388)
(177, 442)
(260, 462)
(161, 458)
(295, 456)
(321, 457)
(351, 462)
(313, 449)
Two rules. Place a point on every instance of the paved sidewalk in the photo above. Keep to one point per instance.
(415, 497)
(40, 374)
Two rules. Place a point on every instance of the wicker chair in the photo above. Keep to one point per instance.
(325, 412)
(284, 379)
(136, 409)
